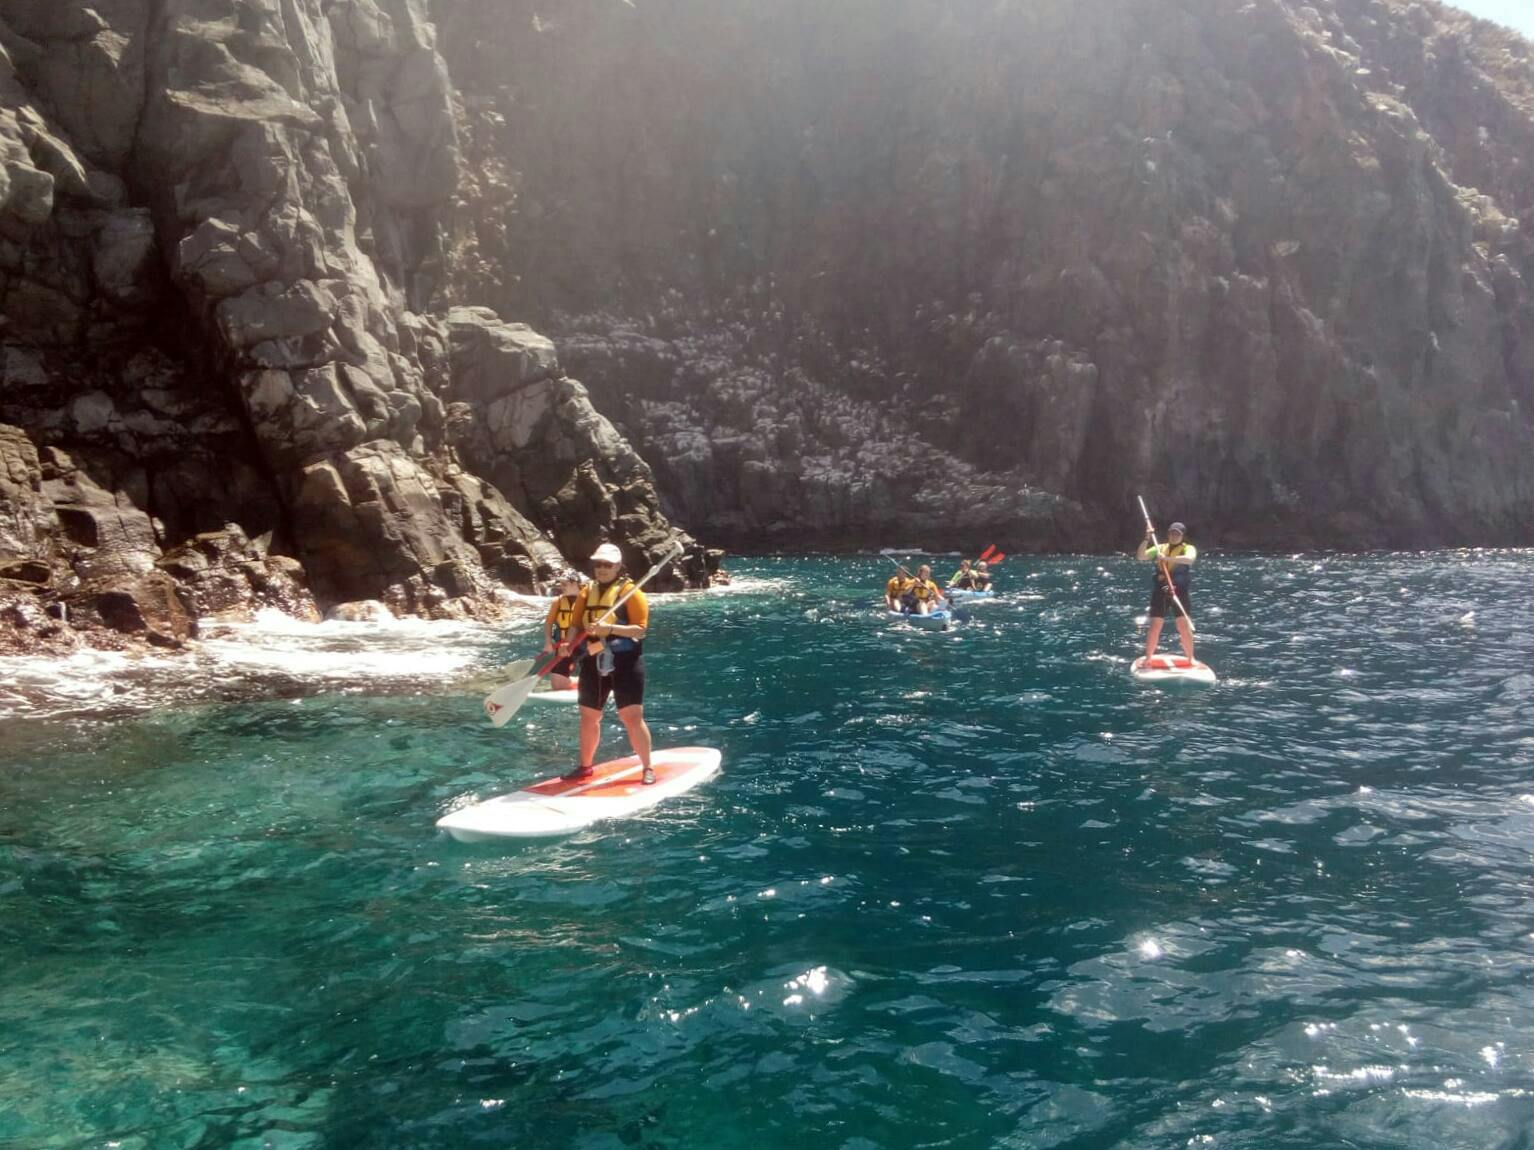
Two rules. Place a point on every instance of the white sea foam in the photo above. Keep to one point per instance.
(275, 653)
(273, 650)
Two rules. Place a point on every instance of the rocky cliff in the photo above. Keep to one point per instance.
(221, 382)
(899, 266)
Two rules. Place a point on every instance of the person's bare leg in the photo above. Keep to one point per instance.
(1185, 633)
(591, 735)
(638, 730)
(1153, 636)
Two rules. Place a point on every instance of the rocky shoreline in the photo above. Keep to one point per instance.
(227, 382)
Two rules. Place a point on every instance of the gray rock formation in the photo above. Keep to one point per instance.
(220, 227)
(1267, 262)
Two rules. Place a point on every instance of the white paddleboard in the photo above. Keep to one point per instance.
(1171, 669)
(558, 807)
(570, 696)
(936, 621)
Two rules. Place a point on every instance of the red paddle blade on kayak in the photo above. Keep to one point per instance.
(999, 557)
(985, 556)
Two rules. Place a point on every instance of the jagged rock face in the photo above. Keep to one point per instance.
(219, 223)
(533, 433)
(68, 541)
(1266, 262)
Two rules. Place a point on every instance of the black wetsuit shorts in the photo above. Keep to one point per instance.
(1161, 604)
(626, 683)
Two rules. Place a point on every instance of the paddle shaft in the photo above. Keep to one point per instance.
(1166, 570)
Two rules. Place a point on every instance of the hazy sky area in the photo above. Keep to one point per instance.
(1517, 14)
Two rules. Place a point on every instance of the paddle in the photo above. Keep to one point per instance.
(1166, 571)
(518, 669)
(501, 705)
(985, 557)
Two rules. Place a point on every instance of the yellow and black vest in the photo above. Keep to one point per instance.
(599, 601)
(564, 615)
(1181, 573)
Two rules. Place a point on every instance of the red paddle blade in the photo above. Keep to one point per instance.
(1000, 555)
(985, 556)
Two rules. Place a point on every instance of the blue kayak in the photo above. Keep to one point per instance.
(936, 621)
(959, 595)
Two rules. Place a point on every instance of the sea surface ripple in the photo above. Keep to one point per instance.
(966, 889)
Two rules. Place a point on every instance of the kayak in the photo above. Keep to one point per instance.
(1171, 669)
(936, 621)
(959, 595)
(559, 806)
(568, 695)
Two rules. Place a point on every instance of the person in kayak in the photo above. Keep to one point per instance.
(963, 579)
(924, 596)
(556, 626)
(981, 579)
(895, 590)
(612, 662)
(1173, 558)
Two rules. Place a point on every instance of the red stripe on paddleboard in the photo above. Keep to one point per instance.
(615, 774)
(600, 773)
(664, 772)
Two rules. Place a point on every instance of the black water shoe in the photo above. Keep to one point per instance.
(578, 774)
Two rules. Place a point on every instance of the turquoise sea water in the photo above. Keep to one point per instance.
(963, 889)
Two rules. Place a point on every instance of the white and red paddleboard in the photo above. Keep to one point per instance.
(557, 806)
(1171, 669)
(571, 695)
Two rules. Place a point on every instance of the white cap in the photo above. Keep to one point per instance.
(607, 553)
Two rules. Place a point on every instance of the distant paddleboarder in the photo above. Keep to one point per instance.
(612, 662)
(1174, 561)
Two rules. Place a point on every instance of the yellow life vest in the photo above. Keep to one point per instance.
(564, 613)
(925, 589)
(600, 600)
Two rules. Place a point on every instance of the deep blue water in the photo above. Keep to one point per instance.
(964, 889)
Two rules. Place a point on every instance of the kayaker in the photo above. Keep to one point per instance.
(964, 578)
(1173, 558)
(924, 596)
(612, 660)
(981, 579)
(556, 626)
(895, 590)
